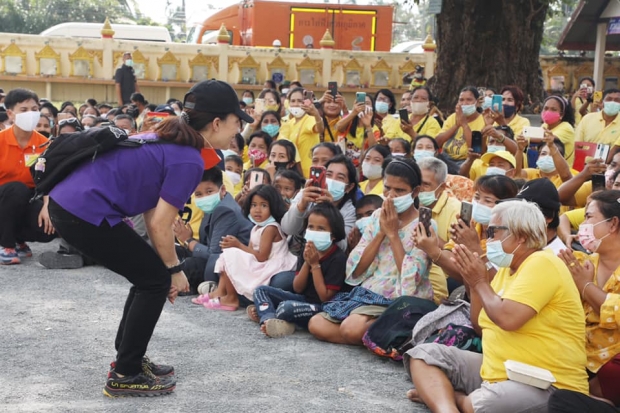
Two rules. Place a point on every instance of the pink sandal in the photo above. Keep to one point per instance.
(201, 299)
(215, 304)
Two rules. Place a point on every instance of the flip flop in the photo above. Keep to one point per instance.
(201, 299)
(215, 304)
(278, 328)
(252, 314)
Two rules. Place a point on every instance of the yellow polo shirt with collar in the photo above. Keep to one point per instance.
(377, 190)
(592, 129)
(444, 213)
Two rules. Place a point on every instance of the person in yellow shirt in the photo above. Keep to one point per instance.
(582, 99)
(512, 104)
(559, 119)
(304, 127)
(385, 118)
(597, 278)
(456, 134)
(604, 126)
(420, 121)
(515, 311)
(258, 150)
(372, 170)
(358, 129)
(332, 114)
(233, 170)
(576, 190)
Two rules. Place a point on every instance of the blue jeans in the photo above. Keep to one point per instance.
(276, 303)
(283, 280)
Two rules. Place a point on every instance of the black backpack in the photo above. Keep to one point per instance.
(66, 152)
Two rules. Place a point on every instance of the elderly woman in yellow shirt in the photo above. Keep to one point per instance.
(303, 127)
(597, 278)
(420, 121)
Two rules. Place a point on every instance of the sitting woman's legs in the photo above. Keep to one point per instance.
(609, 381)
(354, 327)
(325, 330)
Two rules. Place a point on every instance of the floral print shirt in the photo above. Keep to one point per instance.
(382, 276)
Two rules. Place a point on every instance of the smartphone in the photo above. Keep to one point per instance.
(496, 103)
(476, 142)
(157, 116)
(425, 218)
(597, 96)
(308, 97)
(583, 86)
(256, 179)
(590, 90)
(360, 97)
(598, 182)
(534, 132)
(404, 115)
(259, 106)
(318, 177)
(602, 151)
(467, 209)
(333, 88)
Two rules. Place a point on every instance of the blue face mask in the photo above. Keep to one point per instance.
(322, 240)
(611, 108)
(208, 203)
(495, 148)
(420, 154)
(248, 100)
(272, 129)
(468, 110)
(266, 222)
(487, 102)
(336, 188)
(546, 164)
(496, 254)
(382, 107)
(403, 203)
(509, 111)
(494, 170)
(362, 223)
(481, 213)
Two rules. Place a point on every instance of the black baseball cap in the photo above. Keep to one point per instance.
(165, 109)
(540, 191)
(215, 96)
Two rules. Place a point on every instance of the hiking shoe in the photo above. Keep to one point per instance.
(140, 385)
(8, 256)
(207, 287)
(23, 250)
(57, 261)
(149, 368)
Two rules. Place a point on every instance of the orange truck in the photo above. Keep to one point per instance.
(299, 25)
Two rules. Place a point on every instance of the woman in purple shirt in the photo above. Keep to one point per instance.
(156, 179)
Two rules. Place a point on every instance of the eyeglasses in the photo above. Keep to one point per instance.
(70, 121)
(491, 231)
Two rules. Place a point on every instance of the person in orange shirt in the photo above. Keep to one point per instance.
(20, 145)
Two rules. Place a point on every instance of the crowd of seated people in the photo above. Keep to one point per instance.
(320, 215)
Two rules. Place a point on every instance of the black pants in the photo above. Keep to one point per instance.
(565, 401)
(19, 217)
(122, 250)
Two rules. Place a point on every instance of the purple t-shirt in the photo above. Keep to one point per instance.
(129, 181)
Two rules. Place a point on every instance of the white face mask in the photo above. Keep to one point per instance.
(27, 121)
(494, 170)
(297, 112)
(419, 108)
(235, 178)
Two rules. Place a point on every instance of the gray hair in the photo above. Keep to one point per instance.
(436, 166)
(523, 220)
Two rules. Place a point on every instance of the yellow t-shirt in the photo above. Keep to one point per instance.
(581, 197)
(444, 213)
(377, 190)
(248, 165)
(554, 339)
(391, 128)
(576, 217)
(301, 133)
(430, 128)
(578, 104)
(517, 124)
(533, 173)
(456, 147)
(602, 330)
(478, 169)
(592, 129)
(331, 125)
(438, 281)
(566, 134)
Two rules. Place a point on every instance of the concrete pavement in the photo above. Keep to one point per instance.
(57, 340)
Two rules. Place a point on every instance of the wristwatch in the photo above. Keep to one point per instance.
(177, 268)
(186, 243)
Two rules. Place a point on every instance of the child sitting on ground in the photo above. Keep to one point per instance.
(288, 183)
(320, 275)
(244, 268)
(364, 209)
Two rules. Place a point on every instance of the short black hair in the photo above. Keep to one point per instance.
(406, 144)
(352, 175)
(240, 141)
(51, 108)
(420, 137)
(91, 102)
(381, 149)
(558, 144)
(366, 200)
(333, 216)
(608, 202)
(19, 95)
(213, 175)
(335, 149)
(263, 135)
(500, 186)
(66, 104)
(138, 97)
(246, 174)
(608, 91)
(272, 196)
(289, 146)
(236, 159)
(388, 93)
(291, 174)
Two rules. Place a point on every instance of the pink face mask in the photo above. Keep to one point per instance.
(587, 238)
(550, 117)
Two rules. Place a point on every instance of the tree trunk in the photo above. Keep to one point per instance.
(489, 43)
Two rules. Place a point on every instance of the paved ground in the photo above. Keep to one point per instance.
(56, 341)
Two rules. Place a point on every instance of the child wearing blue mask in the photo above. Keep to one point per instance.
(320, 275)
(243, 268)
